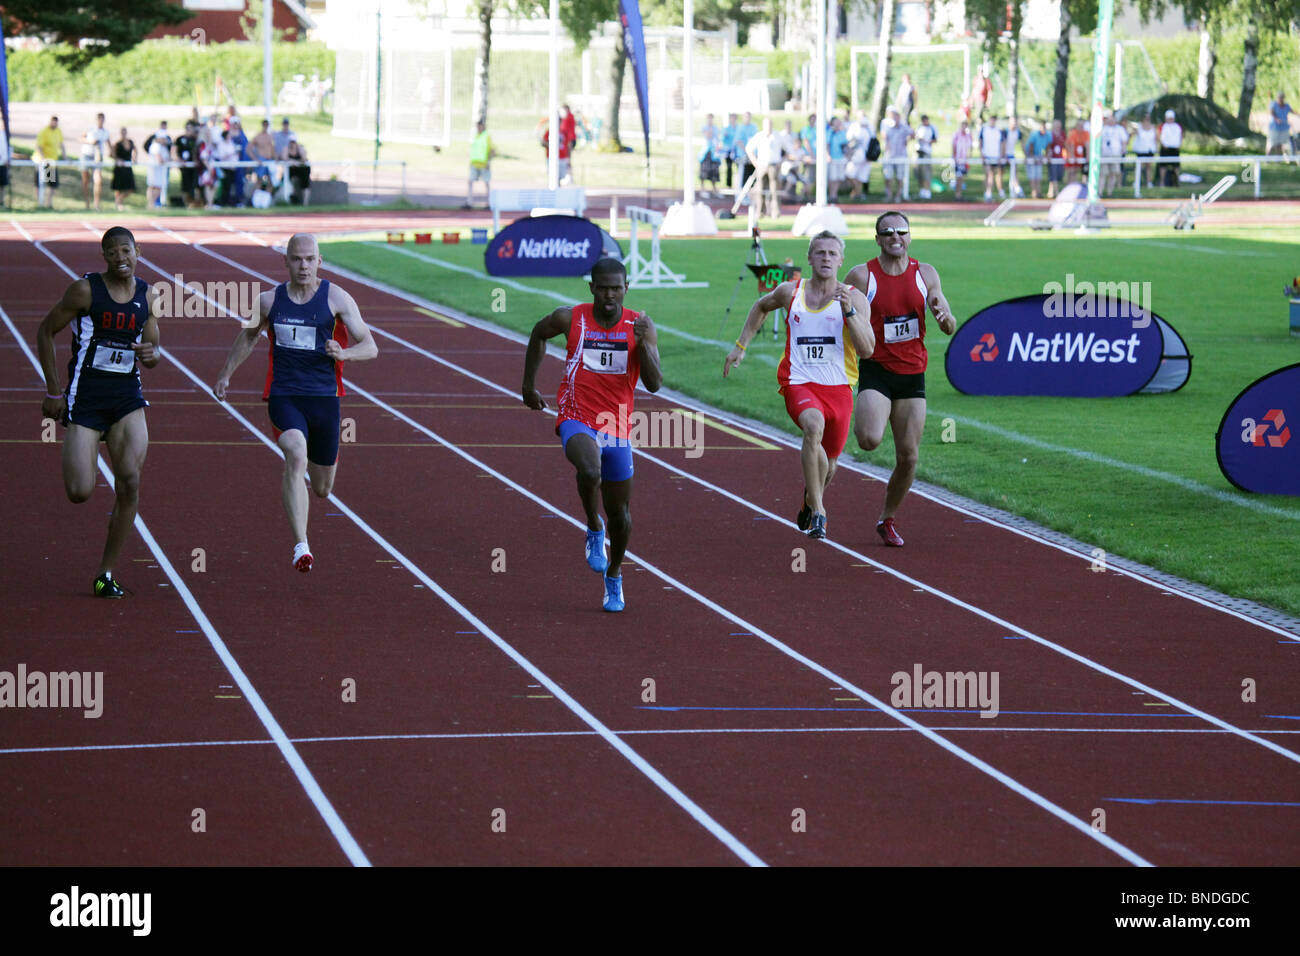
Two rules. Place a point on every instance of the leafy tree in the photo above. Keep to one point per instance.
(112, 26)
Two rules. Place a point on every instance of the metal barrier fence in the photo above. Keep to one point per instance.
(381, 188)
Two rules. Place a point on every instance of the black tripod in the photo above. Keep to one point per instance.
(769, 277)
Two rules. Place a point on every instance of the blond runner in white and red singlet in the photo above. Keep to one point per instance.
(826, 330)
(891, 382)
(609, 349)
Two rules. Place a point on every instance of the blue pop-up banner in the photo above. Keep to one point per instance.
(545, 246)
(1256, 449)
(1067, 343)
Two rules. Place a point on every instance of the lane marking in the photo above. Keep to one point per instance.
(291, 756)
(442, 318)
(653, 774)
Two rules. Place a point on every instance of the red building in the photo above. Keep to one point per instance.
(219, 21)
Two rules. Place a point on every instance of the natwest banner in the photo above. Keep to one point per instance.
(1256, 449)
(545, 246)
(1067, 344)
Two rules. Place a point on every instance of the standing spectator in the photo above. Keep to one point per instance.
(1171, 144)
(710, 161)
(961, 150)
(1036, 147)
(1144, 148)
(861, 136)
(96, 146)
(791, 161)
(981, 90)
(764, 154)
(926, 137)
(1114, 143)
(992, 154)
(727, 146)
(1056, 158)
(837, 141)
(481, 152)
(1012, 137)
(743, 133)
(896, 134)
(710, 132)
(568, 126)
(240, 139)
(562, 155)
(124, 158)
(261, 149)
(1076, 152)
(224, 152)
(808, 145)
(1279, 126)
(206, 156)
(299, 171)
(49, 150)
(159, 150)
(281, 138)
(906, 100)
(187, 152)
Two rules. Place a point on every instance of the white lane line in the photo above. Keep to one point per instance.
(642, 732)
(663, 783)
(953, 599)
(1187, 484)
(784, 438)
(291, 756)
(1079, 825)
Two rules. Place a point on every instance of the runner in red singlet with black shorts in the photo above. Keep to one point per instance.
(826, 330)
(609, 349)
(891, 383)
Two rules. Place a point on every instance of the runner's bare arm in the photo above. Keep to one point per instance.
(557, 323)
(647, 340)
(75, 302)
(363, 345)
(245, 342)
(146, 350)
(779, 298)
(934, 298)
(859, 323)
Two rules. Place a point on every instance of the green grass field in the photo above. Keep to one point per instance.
(1136, 476)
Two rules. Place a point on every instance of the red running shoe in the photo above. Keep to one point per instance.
(887, 531)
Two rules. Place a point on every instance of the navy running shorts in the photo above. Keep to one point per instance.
(316, 416)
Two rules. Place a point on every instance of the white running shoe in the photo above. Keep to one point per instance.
(302, 557)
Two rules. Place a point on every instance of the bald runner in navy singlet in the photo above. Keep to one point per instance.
(310, 323)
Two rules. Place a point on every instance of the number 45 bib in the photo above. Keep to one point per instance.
(113, 358)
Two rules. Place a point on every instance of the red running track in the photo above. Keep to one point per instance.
(505, 698)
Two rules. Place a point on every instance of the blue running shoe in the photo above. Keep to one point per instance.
(614, 594)
(596, 559)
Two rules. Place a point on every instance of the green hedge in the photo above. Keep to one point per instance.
(163, 71)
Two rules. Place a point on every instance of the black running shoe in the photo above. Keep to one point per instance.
(817, 526)
(804, 518)
(106, 587)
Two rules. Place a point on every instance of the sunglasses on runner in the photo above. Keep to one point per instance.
(886, 233)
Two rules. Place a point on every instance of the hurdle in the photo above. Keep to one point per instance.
(652, 273)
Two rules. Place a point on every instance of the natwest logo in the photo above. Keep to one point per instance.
(1277, 419)
(987, 350)
(1071, 347)
(546, 246)
(554, 249)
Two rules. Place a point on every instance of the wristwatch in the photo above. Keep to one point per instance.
(851, 313)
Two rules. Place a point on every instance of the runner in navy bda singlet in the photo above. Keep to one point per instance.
(113, 328)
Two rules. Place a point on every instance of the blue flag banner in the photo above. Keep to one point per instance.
(634, 43)
(4, 91)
